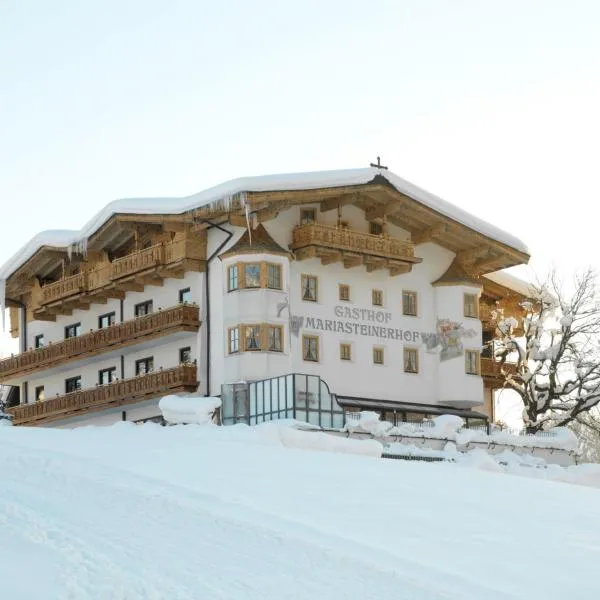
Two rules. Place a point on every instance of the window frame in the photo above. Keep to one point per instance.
(252, 327)
(259, 281)
(303, 279)
(147, 360)
(378, 350)
(377, 225)
(475, 299)
(344, 290)
(112, 314)
(269, 330)
(405, 306)
(407, 350)
(307, 211)
(469, 354)
(77, 380)
(77, 330)
(310, 338)
(181, 294)
(279, 271)
(231, 339)
(112, 372)
(39, 389)
(181, 352)
(149, 308)
(36, 341)
(233, 278)
(373, 293)
(345, 356)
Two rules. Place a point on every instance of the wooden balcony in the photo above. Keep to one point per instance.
(490, 371)
(112, 279)
(162, 323)
(119, 393)
(353, 248)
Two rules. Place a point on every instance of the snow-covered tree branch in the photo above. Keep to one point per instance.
(557, 352)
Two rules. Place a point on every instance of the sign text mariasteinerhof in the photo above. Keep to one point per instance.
(368, 322)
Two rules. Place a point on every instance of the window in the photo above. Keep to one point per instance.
(232, 278)
(252, 275)
(375, 228)
(274, 276)
(472, 362)
(344, 292)
(72, 384)
(39, 393)
(471, 306)
(144, 365)
(309, 288)
(310, 348)
(275, 338)
(106, 320)
(185, 296)
(308, 215)
(252, 337)
(72, 330)
(234, 340)
(411, 360)
(409, 303)
(378, 356)
(185, 355)
(107, 375)
(143, 308)
(377, 297)
(39, 341)
(345, 352)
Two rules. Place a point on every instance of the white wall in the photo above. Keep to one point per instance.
(358, 377)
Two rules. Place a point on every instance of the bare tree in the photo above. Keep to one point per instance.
(587, 428)
(556, 349)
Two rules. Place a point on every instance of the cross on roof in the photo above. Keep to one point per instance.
(378, 165)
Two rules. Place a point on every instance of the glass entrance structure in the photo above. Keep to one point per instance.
(294, 396)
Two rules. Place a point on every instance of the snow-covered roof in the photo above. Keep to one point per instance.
(224, 192)
(511, 282)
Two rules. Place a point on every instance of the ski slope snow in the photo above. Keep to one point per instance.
(201, 512)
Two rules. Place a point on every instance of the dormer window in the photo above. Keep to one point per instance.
(308, 215)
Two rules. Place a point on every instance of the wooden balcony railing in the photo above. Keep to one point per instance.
(184, 317)
(182, 254)
(338, 238)
(119, 393)
(490, 368)
(69, 286)
(138, 261)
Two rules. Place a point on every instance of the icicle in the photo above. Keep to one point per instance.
(244, 203)
(3, 303)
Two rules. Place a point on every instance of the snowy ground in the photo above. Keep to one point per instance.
(228, 513)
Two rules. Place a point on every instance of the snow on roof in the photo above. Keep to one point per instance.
(511, 282)
(225, 191)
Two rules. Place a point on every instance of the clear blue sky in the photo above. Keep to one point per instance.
(495, 106)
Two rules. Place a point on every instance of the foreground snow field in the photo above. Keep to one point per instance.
(194, 512)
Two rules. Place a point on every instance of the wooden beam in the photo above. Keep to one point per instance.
(337, 201)
(114, 293)
(466, 256)
(329, 257)
(129, 286)
(305, 253)
(427, 235)
(383, 210)
(399, 268)
(266, 214)
(44, 316)
(238, 220)
(373, 264)
(484, 264)
(352, 260)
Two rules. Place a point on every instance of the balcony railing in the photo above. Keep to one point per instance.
(184, 317)
(490, 368)
(342, 239)
(138, 261)
(69, 286)
(188, 251)
(127, 391)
